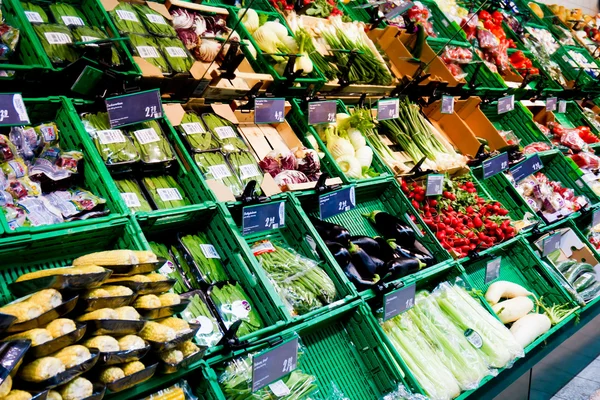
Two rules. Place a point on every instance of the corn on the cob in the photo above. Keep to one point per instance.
(127, 313)
(5, 387)
(53, 395)
(147, 301)
(103, 313)
(111, 374)
(145, 256)
(60, 327)
(105, 344)
(47, 299)
(92, 269)
(24, 310)
(78, 388)
(131, 342)
(108, 258)
(173, 356)
(73, 355)
(157, 332)
(108, 291)
(135, 278)
(133, 367)
(18, 395)
(42, 369)
(188, 348)
(177, 324)
(156, 277)
(37, 336)
(169, 299)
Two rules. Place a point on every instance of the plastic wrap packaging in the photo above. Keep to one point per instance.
(57, 278)
(114, 146)
(132, 195)
(60, 342)
(300, 282)
(245, 167)
(93, 33)
(181, 391)
(165, 192)
(197, 312)
(195, 134)
(225, 133)
(233, 304)
(403, 394)
(151, 143)
(39, 312)
(205, 257)
(213, 166)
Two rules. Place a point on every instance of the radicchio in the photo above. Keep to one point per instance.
(308, 161)
(188, 37)
(270, 165)
(288, 177)
(182, 18)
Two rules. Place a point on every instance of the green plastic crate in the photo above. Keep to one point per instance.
(58, 109)
(550, 84)
(186, 174)
(572, 70)
(341, 348)
(298, 119)
(574, 117)
(383, 196)
(519, 121)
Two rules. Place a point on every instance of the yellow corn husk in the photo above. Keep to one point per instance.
(145, 256)
(147, 301)
(114, 290)
(54, 395)
(47, 299)
(169, 299)
(5, 387)
(131, 342)
(156, 277)
(18, 395)
(134, 278)
(41, 369)
(133, 367)
(60, 327)
(111, 374)
(107, 258)
(78, 388)
(188, 348)
(105, 344)
(157, 332)
(173, 356)
(103, 313)
(61, 271)
(177, 324)
(37, 336)
(96, 293)
(73, 355)
(24, 310)
(128, 313)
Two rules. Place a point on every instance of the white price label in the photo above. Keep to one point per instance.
(156, 19)
(209, 251)
(248, 171)
(219, 171)
(225, 132)
(110, 136)
(67, 20)
(169, 194)
(191, 128)
(177, 52)
(145, 136)
(131, 199)
(147, 51)
(33, 17)
(57, 38)
(127, 15)
(90, 39)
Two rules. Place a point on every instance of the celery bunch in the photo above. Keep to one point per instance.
(165, 192)
(206, 257)
(151, 143)
(233, 305)
(213, 166)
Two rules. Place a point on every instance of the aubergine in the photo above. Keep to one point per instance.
(340, 253)
(332, 232)
(363, 262)
(368, 244)
(419, 248)
(386, 249)
(355, 277)
(403, 266)
(391, 227)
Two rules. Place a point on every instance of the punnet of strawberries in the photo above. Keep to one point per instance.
(461, 220)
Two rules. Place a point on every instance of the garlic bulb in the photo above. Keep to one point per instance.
(208, 50)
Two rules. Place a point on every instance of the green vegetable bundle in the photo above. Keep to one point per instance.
(233, 305)
(185, 267)
(177, 55)
(245, 166)
(165, 192)
(67, 15)
(127, 20)
(151, 143)
(225, 132)
(34, 13)
(213, 166)
(146, 47)
(161, 250)
(198, 312)
(56, 40)
(195, 133)
(113, 145)
(91, 33)
(154, 22)
(300, 282)
(131, 193)
(206, 257)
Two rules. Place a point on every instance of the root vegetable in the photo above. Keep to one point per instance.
(513, 309)
(505, 289)
(530, 327)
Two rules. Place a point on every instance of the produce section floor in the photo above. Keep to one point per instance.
(586, 385)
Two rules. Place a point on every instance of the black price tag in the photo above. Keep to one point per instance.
(551, 103)
(401, 9)
(506, 104)
(398, 301)
(435, 185)
(596, 217)
(133, 108)
(562, 106)
(334, 203)
(492, 270)
(527, 167)
(495, 165)
(447, 104)
(273, 364)
(551, 243)
(322, 112)
(387, 109)
(263, 217)
(12, 110)
(269, 111)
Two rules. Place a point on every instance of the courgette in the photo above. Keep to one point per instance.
(586, 280)
(575, 271)
(564, 266)
(590, 292)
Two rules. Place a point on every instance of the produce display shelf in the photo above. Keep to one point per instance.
(572, 70)
(262, 5)
(549, 84)
(574, 117)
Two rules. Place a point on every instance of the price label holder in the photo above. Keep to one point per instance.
(506, 104)
(12, 110)
(527, 167)
(551, 243)
(447, 105)
(596, 217)
(495, 165)
(492, 270)
(275, 363)
(387, 109)
(263, 217)
(435, 185)
(562, 106)
(551, 103)
(322, 112)
(398, 301)
(269, 111)
(133, 108)
(337, 202)
(401, 9)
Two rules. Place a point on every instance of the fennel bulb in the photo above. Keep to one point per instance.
(350, 166)
(356, 138)
(250, 19)
(338, 146)
(364, 155)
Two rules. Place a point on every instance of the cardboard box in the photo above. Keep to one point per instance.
(469, 111)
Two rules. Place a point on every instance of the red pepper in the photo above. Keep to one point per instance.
(484, 15)
(497, 17)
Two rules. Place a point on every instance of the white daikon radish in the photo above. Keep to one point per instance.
(530, 327)
(504, 289)
(513, 309)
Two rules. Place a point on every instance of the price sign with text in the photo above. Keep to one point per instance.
(525, 168)
(133, 108)
(551, 244)
(387, 109)
(492, 270)
(495, 165)
(506, 104)
(269, 111)
(447, 104)
(562, 106)
(263, 217)
(273, 364)
(551, 103)
(401, 9)
(435, 185)
(12, 110)
(398, 301)
(322, 112)
(334, 203)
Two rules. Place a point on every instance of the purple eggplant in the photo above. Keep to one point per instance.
(331, 232)
(367, 243)
(391, 227)
(403, 266)
(386, 249)
(363, 262)
(340, 253)
(354, 276)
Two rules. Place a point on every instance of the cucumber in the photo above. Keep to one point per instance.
(576, 270)
(590, 292)
(584, 281)
(563, 266)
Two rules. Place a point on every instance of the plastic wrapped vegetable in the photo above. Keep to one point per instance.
(195, 133)
(67, 15)
(197, 312)
(151, 143)
(131, 193)
(168, 269)
(154, 22)
(165, 192)
(225, 132)
(176, 54)
(233, 304)
(34, 13)
(206, 256)
(246, 168)
(185, 267)
(300, 282)
(213, 166)
(92, 33)
(113, 145)
(56, 40)
(127, 20)
(147, 48)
